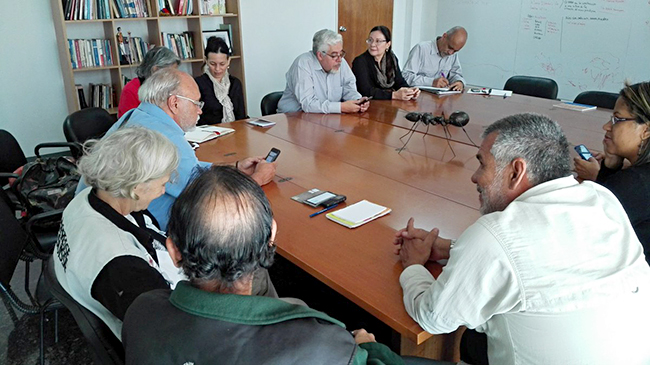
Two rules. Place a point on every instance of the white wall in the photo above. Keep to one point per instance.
(32, 100)
(274, 33)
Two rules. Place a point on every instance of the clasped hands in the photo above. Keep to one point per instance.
(416, 246)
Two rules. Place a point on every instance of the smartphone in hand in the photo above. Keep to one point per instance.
(273, 155)
(364, 100)
(583, 152)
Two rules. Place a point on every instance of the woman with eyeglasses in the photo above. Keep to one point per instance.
(624, 167)
(221, 92)
(377, 70)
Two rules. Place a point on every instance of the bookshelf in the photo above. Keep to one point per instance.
(150, 30)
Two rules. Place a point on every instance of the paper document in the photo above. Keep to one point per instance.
(205, 133)
(357, 214)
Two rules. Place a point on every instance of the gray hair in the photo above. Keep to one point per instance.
(453, 30)
(159, 86)
(132, 155)
(535, 138)
(324, 39)
(159, 57)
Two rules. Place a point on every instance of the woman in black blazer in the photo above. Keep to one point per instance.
(222, 93)
(377, 71)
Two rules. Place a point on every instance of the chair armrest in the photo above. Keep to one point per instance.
(72, 145)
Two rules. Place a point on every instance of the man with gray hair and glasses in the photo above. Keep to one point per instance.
(170, 105)
(435, 63)
(552, 273)
(319, 81)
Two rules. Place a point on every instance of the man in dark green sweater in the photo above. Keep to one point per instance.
(221, 231)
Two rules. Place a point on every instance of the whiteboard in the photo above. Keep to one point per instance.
(582, 45)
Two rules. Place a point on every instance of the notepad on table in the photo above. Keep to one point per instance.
(574, 106)
(357, 214)
(489, 91)
(206, 133)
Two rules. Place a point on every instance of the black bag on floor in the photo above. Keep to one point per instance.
(47, 184)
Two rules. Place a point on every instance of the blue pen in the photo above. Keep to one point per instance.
(443, 75)
(322, 211)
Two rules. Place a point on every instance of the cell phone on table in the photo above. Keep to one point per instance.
(364, 99)
(326, 199)
(583, 152)
(273, 155)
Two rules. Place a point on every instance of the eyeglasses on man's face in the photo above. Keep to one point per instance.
(371, 41)
(615, 120)
(335, 56)
(199, 104)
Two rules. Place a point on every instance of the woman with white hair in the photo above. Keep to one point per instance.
(109, 248)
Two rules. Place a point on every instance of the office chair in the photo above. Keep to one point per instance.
(12, 155)
(13, 242)
(601, 99)
(85, 124)
(107, 349)
(540, 87)
(269, 104)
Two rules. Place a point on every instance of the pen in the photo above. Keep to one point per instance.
(322, 211)
(442, 74)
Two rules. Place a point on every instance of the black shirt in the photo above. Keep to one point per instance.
(213, 110)
(632, 188)
(365, 71)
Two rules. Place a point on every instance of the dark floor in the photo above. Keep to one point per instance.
(19, 333)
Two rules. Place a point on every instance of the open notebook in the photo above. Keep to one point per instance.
(206, 132)
(357, 214)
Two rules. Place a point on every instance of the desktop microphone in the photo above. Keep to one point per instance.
(457, 118)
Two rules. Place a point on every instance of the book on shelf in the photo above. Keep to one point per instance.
(130, 8)
(575, 106)
(101, 95)
(90, 53)
(133, 50)
(87, 9)
(181, 44)
(213, 7)
(81, 98)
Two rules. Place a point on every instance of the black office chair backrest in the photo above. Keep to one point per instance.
(601, 99)
(106, 347)
(540, 87)
(11, 155)
(85, 124)
(269, 104)
(12, 241)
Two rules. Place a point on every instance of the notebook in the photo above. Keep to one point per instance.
(357, 214)
(439, 90)
(574, 106)
(488, 91)
(207, 132)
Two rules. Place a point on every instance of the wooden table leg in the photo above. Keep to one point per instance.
(438, 347)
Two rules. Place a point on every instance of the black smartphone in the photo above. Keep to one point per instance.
(273, 155)
(364, 99)
(583, 151)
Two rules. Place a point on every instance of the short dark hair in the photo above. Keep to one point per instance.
(537, 139)
(217, 45)
(221, 225)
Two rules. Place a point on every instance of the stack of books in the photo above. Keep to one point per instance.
(90, 53)
(101, 95)
(182, 44)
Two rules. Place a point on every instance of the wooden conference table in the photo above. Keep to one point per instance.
(356, 155)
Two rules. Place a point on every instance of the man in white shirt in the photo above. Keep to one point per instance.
(435, 63)
(552, 273)
(319, 81)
